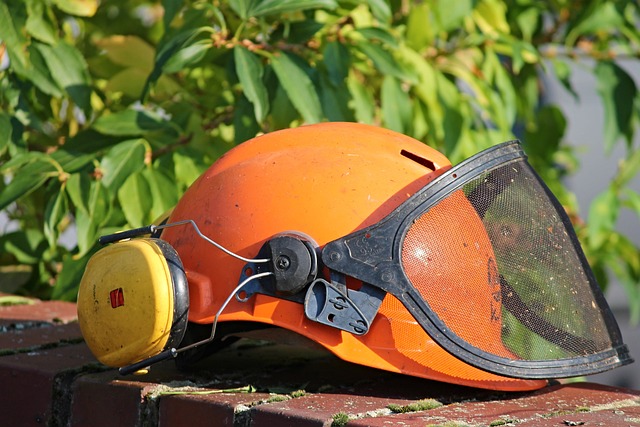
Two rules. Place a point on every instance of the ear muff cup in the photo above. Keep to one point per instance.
(180, 294)
(133, 301)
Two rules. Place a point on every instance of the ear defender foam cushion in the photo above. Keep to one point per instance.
(133, 301)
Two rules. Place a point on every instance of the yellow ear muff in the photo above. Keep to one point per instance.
(133, 301)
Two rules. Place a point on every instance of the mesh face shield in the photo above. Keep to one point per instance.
(487, 262)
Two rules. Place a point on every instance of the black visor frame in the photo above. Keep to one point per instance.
(373, 255)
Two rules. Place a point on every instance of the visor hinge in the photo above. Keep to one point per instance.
(334, 305)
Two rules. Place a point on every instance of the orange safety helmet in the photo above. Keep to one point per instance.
(370, 244)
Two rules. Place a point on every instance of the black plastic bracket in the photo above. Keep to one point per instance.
(293, 262)
(294, 266)
(349, 310)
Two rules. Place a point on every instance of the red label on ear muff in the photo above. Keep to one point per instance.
(117, 298)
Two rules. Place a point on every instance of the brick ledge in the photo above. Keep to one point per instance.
(49, 377)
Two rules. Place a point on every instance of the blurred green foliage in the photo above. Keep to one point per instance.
(109, 110)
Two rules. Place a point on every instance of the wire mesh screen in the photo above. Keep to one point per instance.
(495, 261)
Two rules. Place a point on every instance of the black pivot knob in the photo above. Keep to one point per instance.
(294, 263)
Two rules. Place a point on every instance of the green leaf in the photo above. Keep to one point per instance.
(6, 129)
(450, 14)
(82, 149)
(122, 161)
(37, 23)
(69, 70)
(164, 193)
(380, 10)
(425, 89)
(78, 188)
(128, 51)
(130, 123)
(337, 61)
(26, 246)
(632, 201)
(54, 213)
(297, 32)
(98, 203)
(335, 100)
(543, 140)
(506, 101)
(384, 61)
(136, 200)
(167, 50)
(283, 113)
(490, 16)
(20, 160)
(250, 72)
(453, 126)
(521, 53)
(528, 21)
(27, 179)
(419, 34)
(171, 9)
(298, 87)
(10, 34)
(603, 16)
(86, 232)
(628, 168)
(618, 91)
(363, 102)
(67, 282)
(129, 81)
(380, 34)
(623, 259)
(396, 106)
(244, 121)
(38, 73)
(603, 214)
(453, 114)
(77, 7)
(273, 7)
(243, 7)
(563, 73)
(90, 219)
(25, 60)
(182, 40)
(187, 56)
(186, 169)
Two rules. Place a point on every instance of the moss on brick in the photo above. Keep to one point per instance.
(502, 422)
(420, 405)
(297, 393)
(340, 419)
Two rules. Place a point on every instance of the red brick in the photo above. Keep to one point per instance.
(108, 399)
(49, 382)
(201, 410)
(618, 413)
(28, 383)
(536, 407)
(41, 311)
(98, 400)
(318, 409)
(21, 340)
(588, 419)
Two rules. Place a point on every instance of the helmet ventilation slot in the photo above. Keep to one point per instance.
(420, 160)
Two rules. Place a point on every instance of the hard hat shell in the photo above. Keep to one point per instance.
(324, 181)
